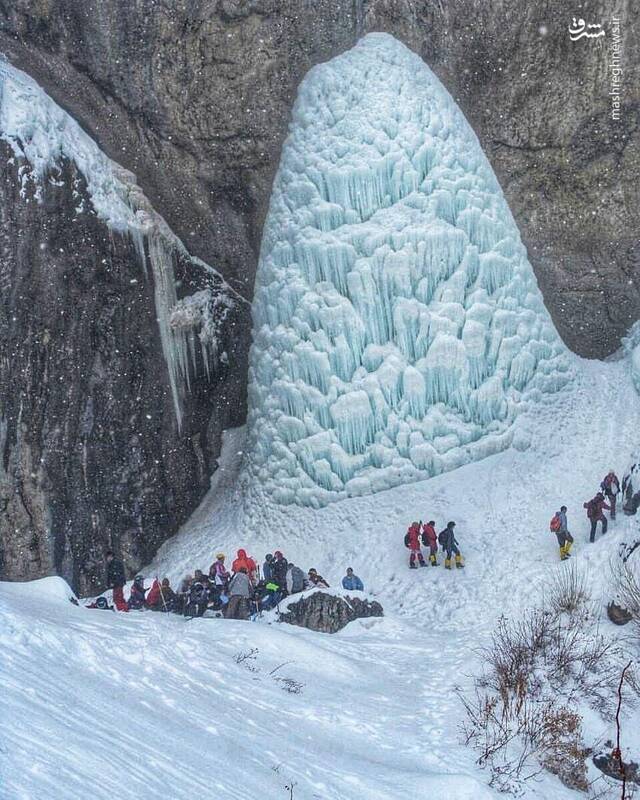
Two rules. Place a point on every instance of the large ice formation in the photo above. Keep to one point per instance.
(398, 325)
(42, 135)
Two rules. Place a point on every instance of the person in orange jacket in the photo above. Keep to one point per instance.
(243, 560)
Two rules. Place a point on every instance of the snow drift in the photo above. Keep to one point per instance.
(398, 325)
(42, 135)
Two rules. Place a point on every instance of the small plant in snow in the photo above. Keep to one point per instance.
(524, 715)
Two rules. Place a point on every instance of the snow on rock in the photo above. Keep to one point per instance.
(631, 347)
(42, 135)
(398, 325)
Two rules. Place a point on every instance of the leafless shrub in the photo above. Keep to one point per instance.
(522, 717)
(568, 592)
(628, 590)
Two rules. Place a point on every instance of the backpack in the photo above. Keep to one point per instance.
(555, 524)
(297, 579)
(406, 539)
(441, 537)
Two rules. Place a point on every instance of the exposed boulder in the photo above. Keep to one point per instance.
(618, 615)
(613, 767)
(328, 613)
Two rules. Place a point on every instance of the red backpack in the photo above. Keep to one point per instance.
(554, 525)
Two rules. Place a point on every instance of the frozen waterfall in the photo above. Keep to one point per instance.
(398, 325)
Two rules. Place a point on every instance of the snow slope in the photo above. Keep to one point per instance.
(124, 704)
(398, 325)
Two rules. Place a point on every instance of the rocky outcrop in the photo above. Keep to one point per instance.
(618, 615)
(194, 98)
(614, 767)
(91, 452)
(328, 613)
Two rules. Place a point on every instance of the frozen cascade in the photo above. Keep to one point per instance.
(398, 325)
(43, 135)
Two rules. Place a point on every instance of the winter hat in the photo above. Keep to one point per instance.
(268, 557)
(277, 554)
(220, 556)
(139, 580)
(451, 524)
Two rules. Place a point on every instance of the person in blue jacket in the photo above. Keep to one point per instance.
(352, 582)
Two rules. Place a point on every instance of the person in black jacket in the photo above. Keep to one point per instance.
(449, 544)
(279, 567)
(116, 580)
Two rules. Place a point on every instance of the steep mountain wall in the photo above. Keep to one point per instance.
(114, 390)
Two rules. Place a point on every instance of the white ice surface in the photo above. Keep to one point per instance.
(104, 705)
(398, 325)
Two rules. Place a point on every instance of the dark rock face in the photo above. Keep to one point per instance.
(194, 97)
(613, 767)
(91, 453)
(327, 613)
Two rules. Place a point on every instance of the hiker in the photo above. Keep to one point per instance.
(272, 596)
(279, 567)
(558, 525)
(197, 600)
(168, 597)
(218, 572)
(449, 544)
(611, 488)
(296, 582)
(137, 595)
(200, 577)
(594, 508)
(239, 594)
(102, 603)
(161, 596)
(351, 582)
(317, 580)
(267, 567)
(412, 541)
(116, 580)
(153, 598)
(243, 560)
(430, 540)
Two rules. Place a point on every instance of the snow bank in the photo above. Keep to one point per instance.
(398, 325)
(41, 136)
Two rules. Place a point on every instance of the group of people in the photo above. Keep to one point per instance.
(425, 534)
(609, 491)
(237, 593)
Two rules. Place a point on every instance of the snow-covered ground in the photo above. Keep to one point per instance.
(102, 705)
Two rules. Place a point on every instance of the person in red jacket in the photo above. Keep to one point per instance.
(430, 540)
(611, 488)
(412, 541)
(594, 513)
(243, 560)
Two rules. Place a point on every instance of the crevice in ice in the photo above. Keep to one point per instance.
(42, 135)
